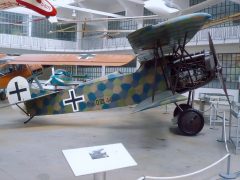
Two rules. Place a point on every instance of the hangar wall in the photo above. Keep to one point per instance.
(31, 37)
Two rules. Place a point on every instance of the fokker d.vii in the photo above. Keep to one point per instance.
(166, 71)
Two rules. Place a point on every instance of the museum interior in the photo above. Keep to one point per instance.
(120, 89)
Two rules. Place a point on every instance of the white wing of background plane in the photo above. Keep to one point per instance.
(164, 9)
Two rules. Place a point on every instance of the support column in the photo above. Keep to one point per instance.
(103, 71)
(30, 25)
(78, 36)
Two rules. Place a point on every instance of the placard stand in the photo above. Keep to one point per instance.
(97, 160)
(100, 176)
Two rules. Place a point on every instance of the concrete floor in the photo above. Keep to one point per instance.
(34, 151)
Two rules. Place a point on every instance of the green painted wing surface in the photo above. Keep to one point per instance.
(165, 97)
(167, 34)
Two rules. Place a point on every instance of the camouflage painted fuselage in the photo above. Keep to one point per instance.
(115, 91)
(122, 90)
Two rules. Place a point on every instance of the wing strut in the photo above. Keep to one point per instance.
(156, 59)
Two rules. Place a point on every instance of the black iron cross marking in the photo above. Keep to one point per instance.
(18, 91)
(73, 100)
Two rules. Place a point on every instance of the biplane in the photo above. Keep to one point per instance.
(167, 70)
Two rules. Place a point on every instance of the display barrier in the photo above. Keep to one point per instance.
(215, 100)
(234, 126)
(227, 175)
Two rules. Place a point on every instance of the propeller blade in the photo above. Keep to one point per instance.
(60, 80)
(220, 77)
(48, 82)
(212, 50)
(218, 67)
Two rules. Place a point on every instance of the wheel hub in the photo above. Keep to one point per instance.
(190, 122)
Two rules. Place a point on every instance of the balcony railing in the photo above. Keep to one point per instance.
(33, 43)
(220, 35)
(101, 44)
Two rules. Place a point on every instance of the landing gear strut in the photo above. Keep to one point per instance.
(186, 72)
(180, 108)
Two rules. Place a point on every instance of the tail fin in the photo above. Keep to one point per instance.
(18, 90)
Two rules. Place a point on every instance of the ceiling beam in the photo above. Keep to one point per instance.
(88, 10)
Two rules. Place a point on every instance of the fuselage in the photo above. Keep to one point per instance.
(114, 91)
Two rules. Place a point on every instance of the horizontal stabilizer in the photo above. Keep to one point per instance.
(162, 98)
(10, 105)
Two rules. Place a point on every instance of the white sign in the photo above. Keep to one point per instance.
(91, 160)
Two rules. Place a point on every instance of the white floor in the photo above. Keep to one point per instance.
(34, 151)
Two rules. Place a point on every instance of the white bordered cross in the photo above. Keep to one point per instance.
(73, 100)
(18, 91)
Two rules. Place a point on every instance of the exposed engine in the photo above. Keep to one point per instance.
(190, 72)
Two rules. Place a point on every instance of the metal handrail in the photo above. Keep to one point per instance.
(229, 34)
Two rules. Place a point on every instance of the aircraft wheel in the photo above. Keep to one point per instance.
(184, 107)
(190, 122)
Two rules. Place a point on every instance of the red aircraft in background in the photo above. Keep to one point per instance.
(43, 7)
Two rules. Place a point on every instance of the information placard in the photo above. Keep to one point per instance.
(91, 160)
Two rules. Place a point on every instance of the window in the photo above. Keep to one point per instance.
(148, 22)
(18, 24)
(231, 70)
(220, 10)
(45, 29)
(13, 23)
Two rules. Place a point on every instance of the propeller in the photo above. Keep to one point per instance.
(218, 67)
(50, 79)
(155, 75)
(60, 80)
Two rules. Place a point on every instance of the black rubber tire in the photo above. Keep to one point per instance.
(190, 122)
(184, 107)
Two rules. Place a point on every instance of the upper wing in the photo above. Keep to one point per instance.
(71, 59)
(168, 34)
